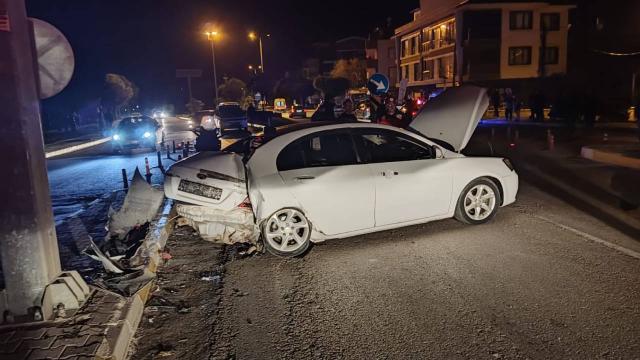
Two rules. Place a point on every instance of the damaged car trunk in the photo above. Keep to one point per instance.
(212, 188)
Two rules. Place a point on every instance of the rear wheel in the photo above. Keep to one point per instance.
(287, 232)
(478, 202)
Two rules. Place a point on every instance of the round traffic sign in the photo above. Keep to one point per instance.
(55, 58)
(378, 84)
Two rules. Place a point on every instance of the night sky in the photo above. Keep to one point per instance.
(146, 40)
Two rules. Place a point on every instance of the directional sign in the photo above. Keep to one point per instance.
(55, 58)
(378, 84)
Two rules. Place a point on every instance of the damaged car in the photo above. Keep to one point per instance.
(316, 181)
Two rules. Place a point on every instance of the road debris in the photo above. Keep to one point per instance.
(221, 226)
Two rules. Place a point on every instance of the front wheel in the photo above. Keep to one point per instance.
(287, 232)
(478, 202)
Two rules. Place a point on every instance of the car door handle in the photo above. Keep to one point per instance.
(305, 177)
(389, 173)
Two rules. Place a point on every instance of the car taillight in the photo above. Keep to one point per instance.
(245, 204)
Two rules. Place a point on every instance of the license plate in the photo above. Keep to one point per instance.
(195, 188)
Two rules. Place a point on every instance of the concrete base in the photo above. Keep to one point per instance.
(614, 155)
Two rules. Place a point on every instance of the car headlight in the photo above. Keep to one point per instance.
(146, 134)
(116, 137)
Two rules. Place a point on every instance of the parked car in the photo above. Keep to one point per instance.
(297, 111)
(137, 132)
(315, 181)
(230, 116)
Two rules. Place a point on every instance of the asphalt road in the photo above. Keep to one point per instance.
(80, 178)
(537, 282)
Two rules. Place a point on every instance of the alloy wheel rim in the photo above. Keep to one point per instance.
(479, 202)
(287, 230)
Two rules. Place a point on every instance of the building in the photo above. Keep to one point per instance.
(381, 58)
(489, 42)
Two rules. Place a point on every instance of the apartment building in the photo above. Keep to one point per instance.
(482, 41)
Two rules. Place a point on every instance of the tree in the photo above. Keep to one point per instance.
(355, 70)
(232, 90)
(117, 92)
(293, 87)
(331, 87)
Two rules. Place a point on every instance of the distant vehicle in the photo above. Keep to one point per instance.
(204, 118)
(280, 104)
(137, 132)
(230, 116)
(159, 114)
(297, 111)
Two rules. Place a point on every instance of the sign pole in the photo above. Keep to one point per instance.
(28, 244)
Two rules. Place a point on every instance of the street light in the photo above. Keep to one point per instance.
(211, 35)
(253, 36)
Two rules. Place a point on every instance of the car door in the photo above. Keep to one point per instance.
(410, 184)
(335, 192)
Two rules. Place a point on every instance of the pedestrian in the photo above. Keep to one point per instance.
(392, 116)
(495, 102)
(347, 113)
(509, 101)
(330, 88)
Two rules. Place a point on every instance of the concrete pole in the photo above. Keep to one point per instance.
(28, 244)
(261, 58)
(215, 75)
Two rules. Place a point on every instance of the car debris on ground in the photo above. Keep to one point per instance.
(121, 253)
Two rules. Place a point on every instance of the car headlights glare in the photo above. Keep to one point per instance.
(146, 134)
(116, 137)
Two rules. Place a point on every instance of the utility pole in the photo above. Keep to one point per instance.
(28, 244)
(261, 58)
(211, 37)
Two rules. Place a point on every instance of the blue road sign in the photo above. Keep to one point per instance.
(378, 84)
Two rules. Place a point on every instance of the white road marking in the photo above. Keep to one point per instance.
(592, 238)
(73, 148)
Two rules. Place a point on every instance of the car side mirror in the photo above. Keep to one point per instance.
(437, 152)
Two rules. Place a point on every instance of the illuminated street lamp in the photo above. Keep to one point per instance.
(211, 35)
(253, 36)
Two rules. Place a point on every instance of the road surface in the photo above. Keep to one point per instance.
(79, 178)
(542, 280)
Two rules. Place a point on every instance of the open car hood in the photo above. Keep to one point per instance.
(452, 117)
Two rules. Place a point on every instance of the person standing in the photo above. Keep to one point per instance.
(495, 102)
(509, 101)
(392, 116)
(347, 114)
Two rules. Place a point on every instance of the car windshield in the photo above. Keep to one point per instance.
(132, 123)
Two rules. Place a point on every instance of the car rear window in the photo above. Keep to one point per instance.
(230, 111)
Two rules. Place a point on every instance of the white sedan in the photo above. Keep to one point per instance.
(313, 182)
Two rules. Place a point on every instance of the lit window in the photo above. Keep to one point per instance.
(520, 55)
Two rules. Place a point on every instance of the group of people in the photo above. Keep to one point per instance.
(383, 111)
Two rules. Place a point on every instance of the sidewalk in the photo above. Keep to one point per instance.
(104, 325)
(608, 191)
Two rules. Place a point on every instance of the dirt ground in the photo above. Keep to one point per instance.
(178, 321)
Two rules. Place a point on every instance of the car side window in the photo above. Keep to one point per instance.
(319, 149)
(380, 145)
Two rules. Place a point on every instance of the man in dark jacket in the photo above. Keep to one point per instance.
(347, 115)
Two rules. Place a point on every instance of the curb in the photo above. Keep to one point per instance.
(609, 157)
(120, 341)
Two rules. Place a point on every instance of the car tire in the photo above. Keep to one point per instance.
(287, 233)
(478, 202)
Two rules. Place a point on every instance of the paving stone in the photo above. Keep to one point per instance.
(87, 350)
(39, 354)
(37, 344)
(17, 355)
(6, 336)
(55, 331)
(70, 341)
(9, 347)
(30, 334)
